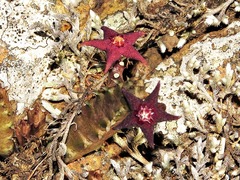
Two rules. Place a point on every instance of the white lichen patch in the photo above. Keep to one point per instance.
(30, 29)
(24, 80)
(21, 20)
(25, 76)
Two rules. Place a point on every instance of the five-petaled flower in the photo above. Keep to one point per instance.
(145, 114)
(117, 45)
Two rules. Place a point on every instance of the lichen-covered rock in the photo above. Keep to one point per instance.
(32, 33)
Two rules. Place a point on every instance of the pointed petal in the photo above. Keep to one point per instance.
(100, 44)
(164, 116)
(109, 33)
(128, 122)
(131, 52)
(153, 97)
(132, 37)
(148, 132)
(112, 57)
(161, 106)
(133, 101)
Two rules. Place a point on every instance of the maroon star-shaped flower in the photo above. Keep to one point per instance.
(117, 45)
(145, 114)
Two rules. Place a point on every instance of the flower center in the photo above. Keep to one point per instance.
(118, 41)
(145, 114)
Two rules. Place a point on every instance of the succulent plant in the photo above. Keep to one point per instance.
(6, 122)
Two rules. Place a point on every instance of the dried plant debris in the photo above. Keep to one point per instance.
(33, 125)
(60, 125)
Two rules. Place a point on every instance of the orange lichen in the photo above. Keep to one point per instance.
(60, 8)
(109, 7)
(65, 26)
(3, 51)
(83, 10)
